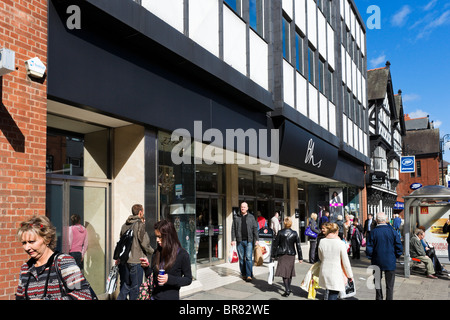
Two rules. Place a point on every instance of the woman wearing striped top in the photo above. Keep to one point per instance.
(48, 275)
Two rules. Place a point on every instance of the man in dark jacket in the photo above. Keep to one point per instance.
(244, 231)
(383, 248)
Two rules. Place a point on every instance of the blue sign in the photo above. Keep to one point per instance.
(415, 186)
(407, 164)
(399, 205)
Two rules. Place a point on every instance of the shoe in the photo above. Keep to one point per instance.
(286, 294)
(431, 276)
(248, 279)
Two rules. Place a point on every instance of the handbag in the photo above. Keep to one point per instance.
(111, 281)
(146, 288)
(310, 233)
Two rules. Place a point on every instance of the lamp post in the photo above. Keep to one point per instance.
(444, 138)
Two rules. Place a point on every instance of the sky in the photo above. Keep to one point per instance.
(414, 36)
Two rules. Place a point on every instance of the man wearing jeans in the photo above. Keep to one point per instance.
(130, 271)
(244, 231)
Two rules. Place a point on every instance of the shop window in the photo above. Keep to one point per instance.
(279, 187)
(264, 186)
(76, 154)
(246, 183)
(208, 178)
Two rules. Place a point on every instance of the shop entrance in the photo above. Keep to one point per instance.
(209, 231)
(90, 200)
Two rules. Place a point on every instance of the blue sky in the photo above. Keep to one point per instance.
(414, 36)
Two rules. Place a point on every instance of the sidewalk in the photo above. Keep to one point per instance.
(223, 282)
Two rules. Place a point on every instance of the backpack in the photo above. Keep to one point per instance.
(123, 246)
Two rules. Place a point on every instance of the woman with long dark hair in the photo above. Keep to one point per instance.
(171, 266)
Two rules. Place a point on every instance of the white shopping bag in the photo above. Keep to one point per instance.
(271, 269)
(111, 281)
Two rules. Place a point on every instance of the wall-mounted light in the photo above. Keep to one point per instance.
(35, 67)
(7, 58)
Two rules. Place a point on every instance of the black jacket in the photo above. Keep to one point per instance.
(252, 228)
(284, 244)
(180, 275)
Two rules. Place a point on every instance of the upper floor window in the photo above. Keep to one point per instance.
(256, 11)
(321, 75)
(236, 5)
(286, 40)
(311, 64)
(418, 172)
(330, 85)
(299, 52)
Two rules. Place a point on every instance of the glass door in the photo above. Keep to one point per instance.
(209, 232)
(89, 200)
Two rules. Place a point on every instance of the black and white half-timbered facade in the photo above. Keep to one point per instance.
(387, 128)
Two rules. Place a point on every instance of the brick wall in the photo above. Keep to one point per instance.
(429, 176)
(23, 125)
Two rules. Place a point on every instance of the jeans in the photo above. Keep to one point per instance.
(245, 253)
(331, 295)
(131, 275)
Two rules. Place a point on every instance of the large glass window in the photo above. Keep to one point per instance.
(286, 40)
(78, 154)
(330, 85)
(299, 52)
(321, 78)
(176, 189)
(256, 10)
(246, 183)
(235, 5)
(311, 64)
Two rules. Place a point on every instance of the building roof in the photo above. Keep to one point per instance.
(377, 82)
(417, 124)
(421, 142)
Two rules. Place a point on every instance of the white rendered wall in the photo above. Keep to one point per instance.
(204, 24)
(259, 64)
(171, 11)
(234, 40)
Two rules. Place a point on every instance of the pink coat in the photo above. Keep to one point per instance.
(78, 239)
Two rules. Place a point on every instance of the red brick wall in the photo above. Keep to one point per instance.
(429, 177)
(23, 124)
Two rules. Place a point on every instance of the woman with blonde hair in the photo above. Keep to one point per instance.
(48, 275)
(284, 247)
(335, 266)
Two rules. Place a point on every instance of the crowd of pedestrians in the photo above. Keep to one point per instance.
(331, 244)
